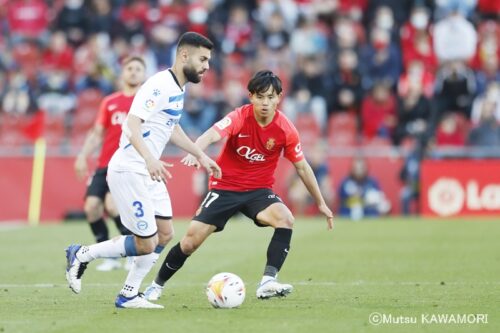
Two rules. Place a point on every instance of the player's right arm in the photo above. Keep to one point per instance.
(224, 127)
(157, 169)
(92, 141)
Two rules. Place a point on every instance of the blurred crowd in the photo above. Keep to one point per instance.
(389, 72)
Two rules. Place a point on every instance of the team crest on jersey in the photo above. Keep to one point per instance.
(149, 104)
(271, 142)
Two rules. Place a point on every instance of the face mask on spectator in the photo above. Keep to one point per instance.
(419, 20)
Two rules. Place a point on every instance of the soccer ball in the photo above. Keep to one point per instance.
(225, 290)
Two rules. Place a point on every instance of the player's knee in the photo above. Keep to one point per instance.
(189, 245)
(147, 246)
(93, 210)
(165, 237)
(285, 221)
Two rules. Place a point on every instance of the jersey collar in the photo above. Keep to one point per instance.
(175, 78)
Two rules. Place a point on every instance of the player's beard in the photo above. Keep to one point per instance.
(191, 74)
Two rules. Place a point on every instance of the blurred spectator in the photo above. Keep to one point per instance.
(347, 90)
(380, 59)
(416, 40)
(487, 132)
(102, 19)
(309, 91)
(56, 98)
(73, 19)
(414, 112)
(28, 20)
(360, 194)
(199, 112)
(239, 33)
(275, 35)
(400, 8)
(18, 97)
(288, 9)
(378, 112)
(163, 44)
(455, 38)
(489, 99)
(416, 73)
(58, 55)
(134, 17)
(301, 202)
(455, 86)
(488, 48)
(384, 19)
(140, 47)
(95, 78)
(307, 40)
(488, 74)
(451, 131)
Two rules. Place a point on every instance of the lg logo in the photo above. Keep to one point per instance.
(250, 154)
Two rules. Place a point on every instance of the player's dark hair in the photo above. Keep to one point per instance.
(129, 59)
(262, 80)
(194, 39)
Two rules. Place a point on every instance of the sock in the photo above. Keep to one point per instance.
(172, 263)
(277, 251)
(140, 268)
(120, 246)
(121, 228)
(100, 230)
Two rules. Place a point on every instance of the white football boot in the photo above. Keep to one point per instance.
(272, 288)
(153, 292)
(136, 302)
(74, 268)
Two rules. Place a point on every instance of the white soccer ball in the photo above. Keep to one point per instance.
(225, 290)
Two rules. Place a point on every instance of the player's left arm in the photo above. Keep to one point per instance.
(180, 139)
(306, 174)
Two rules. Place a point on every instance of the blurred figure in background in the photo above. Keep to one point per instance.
(360, 194)
(378, 112)
(486, 132)
(410, 177)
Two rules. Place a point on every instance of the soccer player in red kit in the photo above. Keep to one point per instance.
(106, 132)
(257, 134)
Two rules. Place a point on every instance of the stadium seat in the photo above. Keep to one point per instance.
(342, 130)
(309, 129)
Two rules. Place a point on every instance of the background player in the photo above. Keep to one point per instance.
(106, 132)
(137, 176)
(257, 134)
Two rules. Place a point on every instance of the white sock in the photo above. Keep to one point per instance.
(266, 278)
(140, 268)
(112, 248)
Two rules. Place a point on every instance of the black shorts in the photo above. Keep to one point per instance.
(219, 206)
(98, 186)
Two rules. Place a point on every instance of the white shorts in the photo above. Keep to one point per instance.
(139, 201)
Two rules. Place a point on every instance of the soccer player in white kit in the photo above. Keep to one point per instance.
(137, 176)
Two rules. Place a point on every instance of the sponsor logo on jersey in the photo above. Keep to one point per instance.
(271, 142)
(250, 154)
(298, 150)
(142, 225)
(243, 135)
(118, 118)
(156, 92)
(149, 104)
(223, 123)
(112, 107)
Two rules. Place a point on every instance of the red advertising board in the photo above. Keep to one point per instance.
(460, 187)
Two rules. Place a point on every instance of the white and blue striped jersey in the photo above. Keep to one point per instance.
(159, 102)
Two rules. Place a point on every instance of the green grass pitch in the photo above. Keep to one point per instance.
(397, 267)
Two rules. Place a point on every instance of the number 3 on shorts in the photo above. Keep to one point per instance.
(138, 206)
(211, 197)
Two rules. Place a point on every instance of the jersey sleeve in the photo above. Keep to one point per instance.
(149, 99)
(101, 115)
(293, 148)
(230, 124)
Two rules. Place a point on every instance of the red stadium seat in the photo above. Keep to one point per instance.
(342, 130)
(309, 129)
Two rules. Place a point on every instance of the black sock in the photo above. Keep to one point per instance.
(277, 251)
(172, 263)
(121, 228)
(100, 230)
